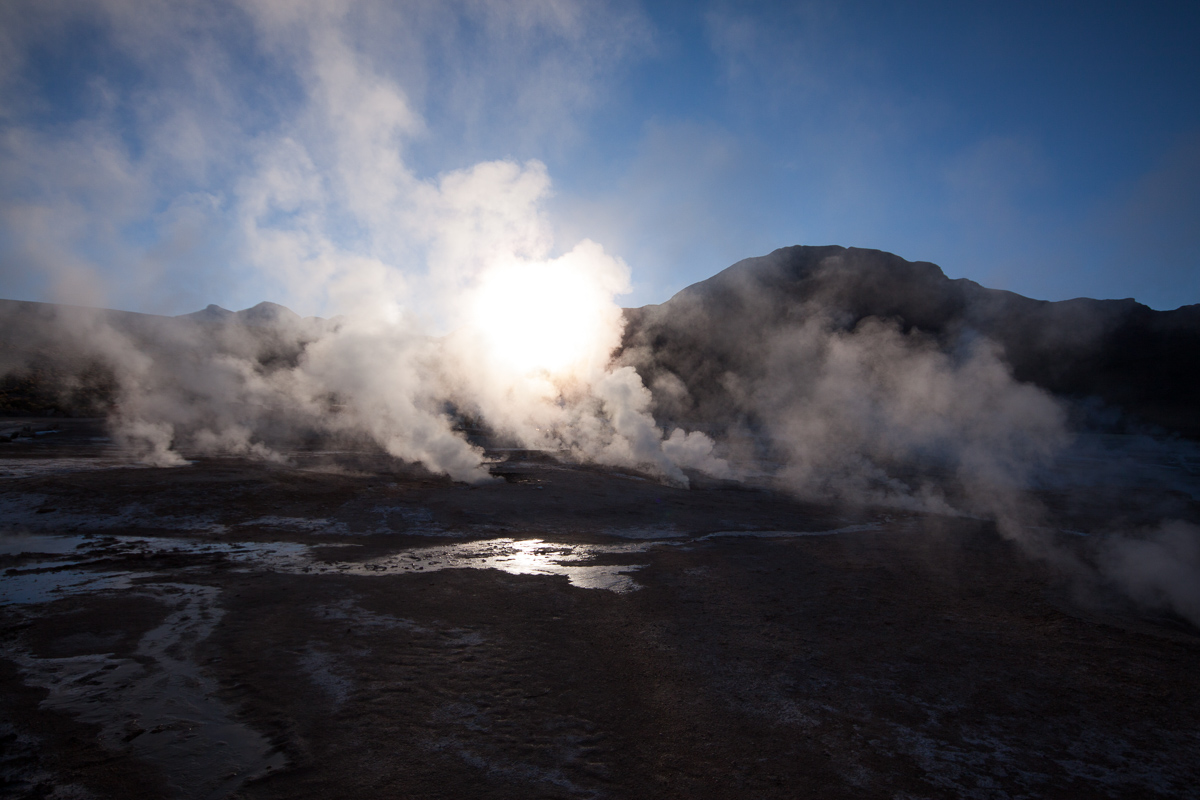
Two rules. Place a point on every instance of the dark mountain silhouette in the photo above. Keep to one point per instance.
(1117, 354)
(48, 365)
(57, 359)
(210, 313)
(263, 315)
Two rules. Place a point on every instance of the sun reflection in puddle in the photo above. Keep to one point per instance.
(57, 572)
(61, 559)
(517, 557)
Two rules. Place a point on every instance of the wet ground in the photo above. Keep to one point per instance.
(343, 626)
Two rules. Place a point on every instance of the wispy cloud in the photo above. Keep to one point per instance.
(267, 134)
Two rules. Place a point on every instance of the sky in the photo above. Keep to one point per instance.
(161, 156)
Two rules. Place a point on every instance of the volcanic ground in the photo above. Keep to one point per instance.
(341, 625)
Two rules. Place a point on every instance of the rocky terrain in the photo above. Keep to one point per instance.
(939, 607)
(345, 626)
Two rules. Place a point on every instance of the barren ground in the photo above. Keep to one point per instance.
(341, 626)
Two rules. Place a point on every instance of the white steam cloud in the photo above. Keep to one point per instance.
(454, 299)
(323, 203)
(531, 360)
(853, 410)
(1159, 568)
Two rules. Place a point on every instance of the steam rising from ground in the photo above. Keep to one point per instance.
(859, 413)
(532, 364)
(458, 304)
(1158, 568)
(869, 415)
(327, 205)
(531, 361)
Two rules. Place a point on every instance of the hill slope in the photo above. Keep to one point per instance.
(714, 342)
(1117, 351)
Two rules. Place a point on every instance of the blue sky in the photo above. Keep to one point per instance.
(162, 156)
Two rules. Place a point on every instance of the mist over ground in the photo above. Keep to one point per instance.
(387, 167)
(864, 378)
(506, 510)
(845, 376)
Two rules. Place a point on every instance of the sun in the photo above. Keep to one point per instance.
(549, 316)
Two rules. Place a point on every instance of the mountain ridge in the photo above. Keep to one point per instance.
(1116, 353)
(1101, 355)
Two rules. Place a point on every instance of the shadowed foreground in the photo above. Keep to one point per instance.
(325, 628)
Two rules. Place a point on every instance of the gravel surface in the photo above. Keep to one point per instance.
(345, 626)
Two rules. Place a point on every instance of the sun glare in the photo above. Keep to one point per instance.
(544, 316)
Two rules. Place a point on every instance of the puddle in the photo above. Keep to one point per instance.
(32, 583)
(788, 534)
(48, 579)
(646, 532)
(12, 544)
(299, 524)
(32, 513)
(514, 556)
(35, 467)
(411, 521)
(25, 587)
(159, 703)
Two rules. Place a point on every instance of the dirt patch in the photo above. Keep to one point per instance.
(92, 625)
(254, 630)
